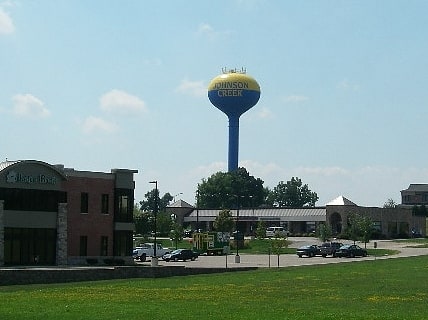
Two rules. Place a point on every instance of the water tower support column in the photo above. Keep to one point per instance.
(233, 143)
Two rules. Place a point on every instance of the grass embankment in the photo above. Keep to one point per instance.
(381, 289)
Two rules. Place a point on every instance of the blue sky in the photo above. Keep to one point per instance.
(97, 85)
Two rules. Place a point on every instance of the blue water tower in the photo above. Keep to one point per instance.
(233, 92)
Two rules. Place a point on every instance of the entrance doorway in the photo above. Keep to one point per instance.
(27, 246)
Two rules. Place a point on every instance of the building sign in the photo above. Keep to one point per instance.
(17, 177)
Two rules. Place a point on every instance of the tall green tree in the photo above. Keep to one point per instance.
(224, 221)
(150, 200)
(228, 190)
(293, 193)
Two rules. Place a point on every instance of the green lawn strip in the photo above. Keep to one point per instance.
(415, 242)
(381, 289)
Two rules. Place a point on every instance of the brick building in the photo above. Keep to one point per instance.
(52, 215)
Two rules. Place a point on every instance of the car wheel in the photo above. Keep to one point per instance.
(193, 258)
(299, 255)
(352, 255)
(143, 257)
(175, 259)
(324, 256)
(364, 254)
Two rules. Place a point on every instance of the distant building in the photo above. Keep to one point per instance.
(51, 215)
(390, 222)
(415, 194)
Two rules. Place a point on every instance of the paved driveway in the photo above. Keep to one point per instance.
(286, 260)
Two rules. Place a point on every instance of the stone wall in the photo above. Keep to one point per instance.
(25, 276)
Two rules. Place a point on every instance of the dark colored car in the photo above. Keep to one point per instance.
(180, 254)
(310, 251)
(330, 248)
(350, 251)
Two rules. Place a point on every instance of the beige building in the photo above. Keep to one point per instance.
(390, 222)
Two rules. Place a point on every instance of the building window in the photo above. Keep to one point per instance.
(84, 200)
(104, 246)
(104, 203)
(123, 205)
(83, 246)
(377, 225)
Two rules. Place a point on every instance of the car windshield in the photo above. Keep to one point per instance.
(176, 251)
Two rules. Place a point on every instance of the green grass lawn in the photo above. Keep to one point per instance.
(416, 242)
(381, 289)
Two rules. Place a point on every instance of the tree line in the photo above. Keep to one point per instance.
(224, 190)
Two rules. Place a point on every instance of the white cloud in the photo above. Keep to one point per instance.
(265, 113)
(207, 31)
(120, 102)
(345, 84)
(204, 29)
(6, 23)
(193, 88)
(93, 125)
(27, 105)
(296, 98)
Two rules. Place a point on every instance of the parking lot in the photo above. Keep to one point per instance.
(287, 260)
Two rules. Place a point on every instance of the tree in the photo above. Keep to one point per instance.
(360, 227)
(147, 207)
(142, 221)
(261, 230)
(390, 203)
(324, 232)
(176, 233)
(224, 221)
(228, 190)
(149, 203)
(366, 229)
(278, 244)
(292, 194)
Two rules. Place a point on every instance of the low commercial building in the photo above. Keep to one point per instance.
(52, 215)
(389, 222)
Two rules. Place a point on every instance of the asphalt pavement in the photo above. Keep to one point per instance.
(287, 260)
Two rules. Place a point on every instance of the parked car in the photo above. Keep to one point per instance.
(350, 251)
(180, 254)
(330, 248)
(310, 251)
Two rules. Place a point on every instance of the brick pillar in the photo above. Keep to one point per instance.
(61, 229)
(1, 232)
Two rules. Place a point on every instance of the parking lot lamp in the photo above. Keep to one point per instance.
(155, 213)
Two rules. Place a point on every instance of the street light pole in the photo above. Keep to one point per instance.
(155, 213)
(197, 210)
(237, 234)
